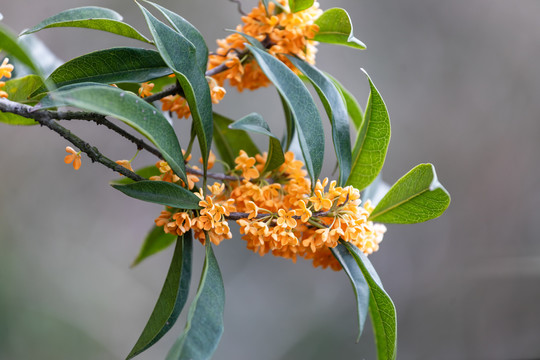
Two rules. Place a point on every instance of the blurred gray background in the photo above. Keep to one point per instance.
(462, 83)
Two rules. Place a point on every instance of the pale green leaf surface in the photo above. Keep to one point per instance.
(418, 196)
(358, 282)
(155, 241)
(336, 111)
(161, 192)
(372, 142)
(172, 298)
(299, 5)
(129, 108)
(381, 307)
(180, 55)
(13, 119)
(304, 112)
(191, 33)
(90, 17)
(229, 141)
(110, 66)
(335, 27)
(255, 123)
(204, 325)
(21, 88)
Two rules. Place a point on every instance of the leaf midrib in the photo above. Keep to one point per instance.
(402, 202)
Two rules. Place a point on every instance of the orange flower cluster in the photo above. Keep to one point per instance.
(281, 31)
(179, 105)
(288, 220)
(283, 217)
(5, 71)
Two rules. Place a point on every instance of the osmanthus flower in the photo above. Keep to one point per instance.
(281, 31)
(246, 164)
(146, 89)
(125, 163)
(73, 157)
(5, 71)
(179, 105)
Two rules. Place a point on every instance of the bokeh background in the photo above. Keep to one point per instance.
(462, 83)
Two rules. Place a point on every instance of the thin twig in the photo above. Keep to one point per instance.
(243, 215)
(239, 3)
(44, 118)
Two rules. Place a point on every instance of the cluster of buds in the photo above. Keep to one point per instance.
(5, 72)
(281, 214)
(281, 31)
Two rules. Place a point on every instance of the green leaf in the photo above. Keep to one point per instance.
(418, 196)
(180, 55)
(255, 123)
(12, 119)
(299, 5)
(229, 142)
(156, 241)
(335, 27)
(116, 65)
(204, 325)
(90, 17)
(304, 111)
(9, 44)
(289, 124)
(172, 298)
(129, 108)
(353, 107)
(358, 282)
(381, 307)
(20, 89)
(371, 143)
(191, 33)
(336, 111)
(161, 192)
(146, 172)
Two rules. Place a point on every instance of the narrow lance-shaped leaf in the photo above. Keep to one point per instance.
(336, 111)
(129, 108)
(155, 241)
(9, 44)
(180, 55)
(161, 192)
(191, 33)
(204, 325)
(381, 307)
(418, 196)
(172, 298)
(255, 123)
(335, 27)
(110, 66)
(289, 123)
(90, 17)
(304, 112)
(358, 282)
(372, 142)
(353, 107)
(229, 141)
(299, 5)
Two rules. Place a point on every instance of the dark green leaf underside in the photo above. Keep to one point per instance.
(161, 192)
(110, 66)
(204, 325)
(172, 298)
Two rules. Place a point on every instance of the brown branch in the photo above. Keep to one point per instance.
(44, 118)
(243, 215)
